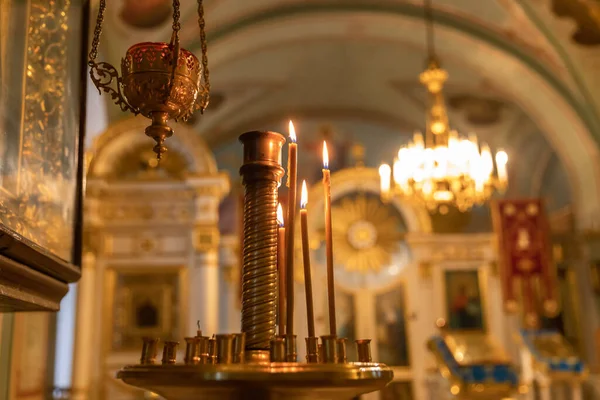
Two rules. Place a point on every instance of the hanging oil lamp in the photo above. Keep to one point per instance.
(159, 80)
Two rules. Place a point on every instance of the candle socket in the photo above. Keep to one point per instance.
(149, 350)
(277, 349)
(341, 351)
(203, 349)
(363, 348)
(170, 353)
(192, 351)
(312, 350)
(291, 348)
(225, 348)
(329, 349)
(261, 174)
(239, 348)
(320, 353)
(212, 351)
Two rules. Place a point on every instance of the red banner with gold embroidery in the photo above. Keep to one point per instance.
(525, 258)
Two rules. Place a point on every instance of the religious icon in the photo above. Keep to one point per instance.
(145, 305)
(146, 314)
(392, 346)
(463, 300)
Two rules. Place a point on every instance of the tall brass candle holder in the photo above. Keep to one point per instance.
(262, 374)
(160, 80)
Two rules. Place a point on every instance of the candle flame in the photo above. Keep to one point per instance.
(303, 195)
(325, 155)
(279, 215)
(292, 131)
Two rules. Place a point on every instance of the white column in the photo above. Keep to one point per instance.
(527, 375)
(544, 385)
(65, 337)
(229, 281)
(84, 328)
(204, 293)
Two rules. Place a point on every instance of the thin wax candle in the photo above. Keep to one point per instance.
(329, 241)
(306, 258)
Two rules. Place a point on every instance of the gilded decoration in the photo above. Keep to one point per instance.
(206, 238)
(365, 233)
(38, 154)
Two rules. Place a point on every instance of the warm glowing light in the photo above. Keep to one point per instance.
(385, 173)
(438, 127)
(501, 158)
(457, 170)
(279, 215)
(326, 156)
(292, 132)
(303, 195)
(455, 389)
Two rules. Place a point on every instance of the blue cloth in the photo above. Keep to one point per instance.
(572, 365)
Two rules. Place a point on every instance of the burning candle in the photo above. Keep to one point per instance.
(329, 240)
(289, 250)
(306, 258)
(281, 269)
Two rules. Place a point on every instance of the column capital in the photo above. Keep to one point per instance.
(206, 238)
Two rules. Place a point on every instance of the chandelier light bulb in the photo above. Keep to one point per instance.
(501, 158)
(384, 177)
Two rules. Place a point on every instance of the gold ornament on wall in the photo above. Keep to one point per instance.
(365, 233)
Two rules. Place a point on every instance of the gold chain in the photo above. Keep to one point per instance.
(205, 73)
(97, 32)
(176, 25)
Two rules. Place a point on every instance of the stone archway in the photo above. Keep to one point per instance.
(111, 152)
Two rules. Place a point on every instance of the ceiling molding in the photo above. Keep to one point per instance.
(497, 40)
(361, 114)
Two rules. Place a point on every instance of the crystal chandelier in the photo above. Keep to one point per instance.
(443, 169)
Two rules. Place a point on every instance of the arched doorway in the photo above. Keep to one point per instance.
(151, 250)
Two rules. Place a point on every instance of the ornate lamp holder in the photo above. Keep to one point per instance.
(159, 80)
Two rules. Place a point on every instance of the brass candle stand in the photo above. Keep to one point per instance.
(257, 363)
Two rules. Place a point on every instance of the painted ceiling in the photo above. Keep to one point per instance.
(519, 76)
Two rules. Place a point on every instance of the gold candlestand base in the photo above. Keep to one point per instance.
(273, 381)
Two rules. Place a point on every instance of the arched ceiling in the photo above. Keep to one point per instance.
(359, 61)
